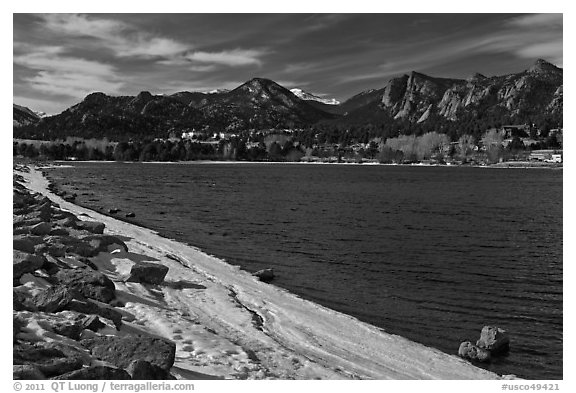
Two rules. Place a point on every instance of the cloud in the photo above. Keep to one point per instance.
(540, 20)
(231, 58)
(121, 38)
(60, 74)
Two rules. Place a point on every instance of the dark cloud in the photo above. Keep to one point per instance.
(59, 58)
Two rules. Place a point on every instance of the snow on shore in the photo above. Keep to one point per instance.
(227, 324)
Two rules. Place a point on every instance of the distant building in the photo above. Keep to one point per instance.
(546, 155)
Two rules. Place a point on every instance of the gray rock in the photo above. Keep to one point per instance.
(25, 243)
(105, 243)
(89, 283)
(24, 262)
(59, 232)
(26, 371)
(265, 275)
(88, 307)
(92, 322)
(494, 339)
(60, 366)
(41, 229)
(95, 373)
(142, 370)
(54, 299)
(470, 351)
(121, 351)
(91, 226)
(146, 272)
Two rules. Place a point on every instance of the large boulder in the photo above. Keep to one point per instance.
(105, 243)
(96, 373)
(494, 339)
(121, 351)
(91, 226)
(142, 370)
(23, 262)
(89, 307)
(41, 229)
(89, 283)
(54, 299)
(146, 272)
(26, 371)
(25, 243)
(470, 351)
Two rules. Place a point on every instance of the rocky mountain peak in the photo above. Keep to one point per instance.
(543, 66)
(476, 77)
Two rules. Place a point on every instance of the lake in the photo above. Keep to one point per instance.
(429, 253)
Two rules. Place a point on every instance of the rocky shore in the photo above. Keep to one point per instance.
(66, 317)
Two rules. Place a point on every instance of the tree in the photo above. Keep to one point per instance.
(465, 146)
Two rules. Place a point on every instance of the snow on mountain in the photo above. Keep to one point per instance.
(304, 95)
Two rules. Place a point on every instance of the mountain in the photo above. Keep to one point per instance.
(304, 95)
(256, 104)
(23, 116)
(417, 97)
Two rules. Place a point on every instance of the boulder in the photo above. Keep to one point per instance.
(121, 351)
(494, 339)
(54, 299)
(89, 283)
(41, 229)
(59, 232)
(23, 262)
(88, 307)
(59, 366)
(470, 351)
(130, 215)
(17, 325)
(95, 373)
(142, 370)
(113, 211)
(91, 226)
(146, 272)
(19, 302)
(105, 243)
(25, 243)
(26, 371)
(265, 275)
(92, 322)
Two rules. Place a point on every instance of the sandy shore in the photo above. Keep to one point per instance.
(225, 323)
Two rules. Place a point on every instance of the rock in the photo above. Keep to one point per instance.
(105, 243)
(95, 373)
(54, 299)
(69, 198)
(121, 351)
(19, 302)
(41, 229)
(92, 322)
(113, 211)
(28, 354)
(130, 215)
(59, 366)
(90, 283)
(265, 275)
(88, 307)
(17, 325)
(26, 371)
(91, 226)
(146, 272)
(470, 351)
(142, 370)
(494, 339)
(23, 262)
(25, 243)
(59, 232)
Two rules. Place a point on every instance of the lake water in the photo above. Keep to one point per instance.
(429, 253)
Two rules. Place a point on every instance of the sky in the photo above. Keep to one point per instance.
(60, 58)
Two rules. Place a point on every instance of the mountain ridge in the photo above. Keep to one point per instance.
(262, 103)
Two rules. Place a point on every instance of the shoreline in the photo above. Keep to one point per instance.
(330, 346)
(502, 165)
